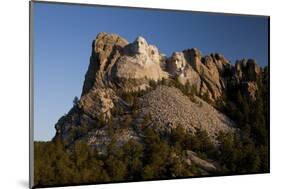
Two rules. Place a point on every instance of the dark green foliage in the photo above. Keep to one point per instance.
(238, 154)
(51, 162)
(116, 168)
(75, 101)
(133, 151)
(199, 142)
(55, 166)
(128, 97)
(247, 152)
(187, 89)
(161, 155)
(127, 121)
(150, 159)
(157, 153)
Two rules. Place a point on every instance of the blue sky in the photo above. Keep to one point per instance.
(63, 35)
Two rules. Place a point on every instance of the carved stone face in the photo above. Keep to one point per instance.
(178, 60)
(177, 63)
(154, 54)
(140, 45)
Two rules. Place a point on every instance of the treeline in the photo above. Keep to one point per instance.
(153, 158)
(252, 119)
(149, 159)
(245, 151)
(250, 144)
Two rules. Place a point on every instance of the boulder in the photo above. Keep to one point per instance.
(102, 98)
(204, 164)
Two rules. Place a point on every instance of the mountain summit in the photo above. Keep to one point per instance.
(130, 87)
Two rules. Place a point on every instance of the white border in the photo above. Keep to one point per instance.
(14, 95)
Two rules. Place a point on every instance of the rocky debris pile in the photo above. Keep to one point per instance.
(169, 108)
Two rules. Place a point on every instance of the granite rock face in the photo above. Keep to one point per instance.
(106, 50)
(117, 66)
(203, 73)
(139, 64)
(181, 70)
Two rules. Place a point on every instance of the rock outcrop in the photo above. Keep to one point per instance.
(117, 66)
(106, 49)
(139, 64)
(181, 70)
(203, 73)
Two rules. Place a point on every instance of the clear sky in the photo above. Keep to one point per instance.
(63, 35)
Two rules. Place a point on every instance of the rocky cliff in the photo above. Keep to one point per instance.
(118, 68)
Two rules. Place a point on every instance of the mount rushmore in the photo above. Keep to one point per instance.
(143, 115)
(117, 66)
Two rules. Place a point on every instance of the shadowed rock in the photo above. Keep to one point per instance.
(117, 66)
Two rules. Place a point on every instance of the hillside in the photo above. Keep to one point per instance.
(142, 115)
